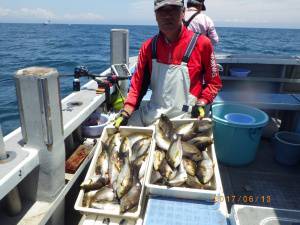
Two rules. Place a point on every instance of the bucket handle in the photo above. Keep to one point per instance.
(253, 133)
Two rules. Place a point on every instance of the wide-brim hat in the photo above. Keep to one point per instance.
(160, 3)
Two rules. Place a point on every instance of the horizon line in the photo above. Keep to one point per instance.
(153, 25)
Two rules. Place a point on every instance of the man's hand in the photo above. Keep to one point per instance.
(198, 110)
(121, 119)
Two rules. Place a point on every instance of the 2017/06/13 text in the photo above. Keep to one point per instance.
(264, 199)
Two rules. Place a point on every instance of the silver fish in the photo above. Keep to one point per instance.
(137, 136)
(209, 186)
(131, 199)
(94, 183)
(161, 141)
(189, 148)
(159, 155)
(125, 179)
(140, 161)
(88, 198)
(194, 182)
(115, 172)
(174, 153)
(109, 138)
(155, 177)
(190, 166)
(180, 177)
(189, 136)
(205, 169)
(102, 164)
(115, 163)
(167, 127)
(201, 142)
(115, 143)
(125, 148)
(184, 128)
(204, 125)
(143, 169)
(187, 131)
(140, 147)
(105, 194)
(197, 157)
(166, 171)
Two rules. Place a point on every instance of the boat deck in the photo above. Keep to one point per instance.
(270, 184)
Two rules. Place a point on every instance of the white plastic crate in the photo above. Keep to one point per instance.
(248, 215)
(185, 192)
(113, 209)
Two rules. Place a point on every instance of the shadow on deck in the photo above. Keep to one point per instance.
(270, 184)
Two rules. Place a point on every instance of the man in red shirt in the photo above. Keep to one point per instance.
(178, 65)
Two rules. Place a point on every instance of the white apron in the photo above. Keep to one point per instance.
(170, 85)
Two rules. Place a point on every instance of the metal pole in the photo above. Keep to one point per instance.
(119, 52)
(119, 46)
(2, 147)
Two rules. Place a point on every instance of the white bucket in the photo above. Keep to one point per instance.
(93, 126)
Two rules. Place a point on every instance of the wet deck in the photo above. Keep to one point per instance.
(270, 184)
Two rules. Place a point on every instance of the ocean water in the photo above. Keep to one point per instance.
(66, 46)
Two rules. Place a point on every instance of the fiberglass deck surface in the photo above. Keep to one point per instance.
(270, 184)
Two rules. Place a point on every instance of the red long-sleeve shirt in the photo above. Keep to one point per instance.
(201, 63)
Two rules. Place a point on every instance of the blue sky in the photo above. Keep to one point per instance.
(241, 13)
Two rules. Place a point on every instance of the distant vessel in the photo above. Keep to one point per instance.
(47, 22)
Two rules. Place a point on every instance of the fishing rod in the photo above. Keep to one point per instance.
(118, 73)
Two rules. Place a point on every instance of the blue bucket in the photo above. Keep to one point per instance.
(287, 147)
(237, 131)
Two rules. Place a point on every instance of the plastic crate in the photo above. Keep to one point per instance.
(113, 209)
(184, 192)
(249, 215)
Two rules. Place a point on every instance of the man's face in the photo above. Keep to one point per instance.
(169, 18)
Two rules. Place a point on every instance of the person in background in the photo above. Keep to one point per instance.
(178, 65)
(198, 22)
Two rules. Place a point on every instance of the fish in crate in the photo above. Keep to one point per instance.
(119, 173)
(181, 157)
